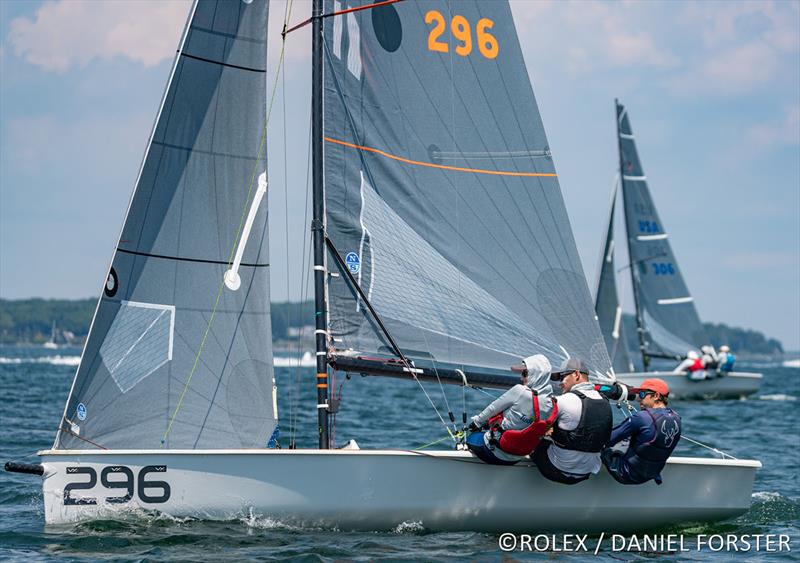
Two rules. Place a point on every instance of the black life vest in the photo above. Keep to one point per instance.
(594, 428)
(523, 442)
(647, 459)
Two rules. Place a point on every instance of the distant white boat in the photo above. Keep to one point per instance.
(791, 363)
(306, 361)
(51, 344)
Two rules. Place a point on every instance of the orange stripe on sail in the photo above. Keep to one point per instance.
(441, 166)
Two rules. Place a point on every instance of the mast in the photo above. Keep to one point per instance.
(318, 225)
(631, 265)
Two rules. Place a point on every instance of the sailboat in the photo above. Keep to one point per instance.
(51, 343)
(668, 325)
(442, 252)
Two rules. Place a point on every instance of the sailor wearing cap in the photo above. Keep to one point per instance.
(582, 429)
(654, 432)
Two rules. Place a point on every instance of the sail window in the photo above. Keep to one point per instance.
(138, 342)
(354, 47)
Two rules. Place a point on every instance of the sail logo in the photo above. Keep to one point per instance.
(353, 262)
(81, 411)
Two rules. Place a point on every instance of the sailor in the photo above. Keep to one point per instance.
(692, 366)
(654, 432)
(709, 357)
(726, 360)
(513, 411)
(582, 430)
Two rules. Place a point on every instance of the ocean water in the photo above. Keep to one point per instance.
(377, 412)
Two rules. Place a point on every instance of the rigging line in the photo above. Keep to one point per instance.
(632, 408)
(304, 23)
(440, 166)
(87, 440)
(260, 153)
(395, 347)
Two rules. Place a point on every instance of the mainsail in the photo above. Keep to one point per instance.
(175, 358)
(441, 194)
(665, 309)
(607, 304)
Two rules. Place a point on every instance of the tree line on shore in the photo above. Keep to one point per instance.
(30, 321)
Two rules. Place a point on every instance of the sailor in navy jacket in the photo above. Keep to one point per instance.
(653, 432)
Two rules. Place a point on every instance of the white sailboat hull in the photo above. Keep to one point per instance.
(734, 385)
(381, 489)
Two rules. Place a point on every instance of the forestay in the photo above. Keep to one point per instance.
(174, 358)
(666, 308)
(441, 193)
(607, 303)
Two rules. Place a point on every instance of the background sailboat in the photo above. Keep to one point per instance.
(668, 325)
(442, 251)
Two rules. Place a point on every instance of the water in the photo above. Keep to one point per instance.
(376, 412)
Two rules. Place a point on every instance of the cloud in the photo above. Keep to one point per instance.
(71, 33)
(604, 29)
(785, 131)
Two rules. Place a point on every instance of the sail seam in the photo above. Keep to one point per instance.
(200, 151)
(212, 61)
(199, 260)
(440, 166)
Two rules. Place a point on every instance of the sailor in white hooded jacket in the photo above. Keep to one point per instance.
(516, 404)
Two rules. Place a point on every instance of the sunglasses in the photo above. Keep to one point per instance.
(562, 376)
(643, 394)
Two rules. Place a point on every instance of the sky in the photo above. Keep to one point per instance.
(712, 89)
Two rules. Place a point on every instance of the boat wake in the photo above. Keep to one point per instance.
(777, 397)
(52, 360)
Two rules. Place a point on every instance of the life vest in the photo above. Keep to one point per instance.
(647, 459)
(727, 365)
(697, 365)
(594, 428)
(523, 442)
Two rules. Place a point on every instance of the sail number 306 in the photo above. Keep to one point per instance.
(120, 479)
(462, 32)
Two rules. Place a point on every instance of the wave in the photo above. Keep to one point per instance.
(777, 397)
(52, 360)
(307, 361)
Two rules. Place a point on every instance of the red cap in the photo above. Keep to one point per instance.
(654, 384)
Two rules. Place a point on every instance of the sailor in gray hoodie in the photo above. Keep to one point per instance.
(516, 405)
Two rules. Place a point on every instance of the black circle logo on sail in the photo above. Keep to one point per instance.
(387, 26)
(112, 283)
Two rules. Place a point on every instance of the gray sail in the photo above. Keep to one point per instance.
(441, 193)
(174, 358)
(607, 304)
(665, 307)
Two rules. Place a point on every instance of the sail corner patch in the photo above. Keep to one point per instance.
(138, 342)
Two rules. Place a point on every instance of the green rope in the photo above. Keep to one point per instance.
(261, 151)
(456, 437)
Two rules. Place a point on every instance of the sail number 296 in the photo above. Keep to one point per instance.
(461, 30)
(118, 484)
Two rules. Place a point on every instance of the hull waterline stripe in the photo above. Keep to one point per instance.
(441, 166)
(675, 301)
(180, 259)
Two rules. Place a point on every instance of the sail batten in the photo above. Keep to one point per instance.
(174, 359)
(666, 308)
(443, 197)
